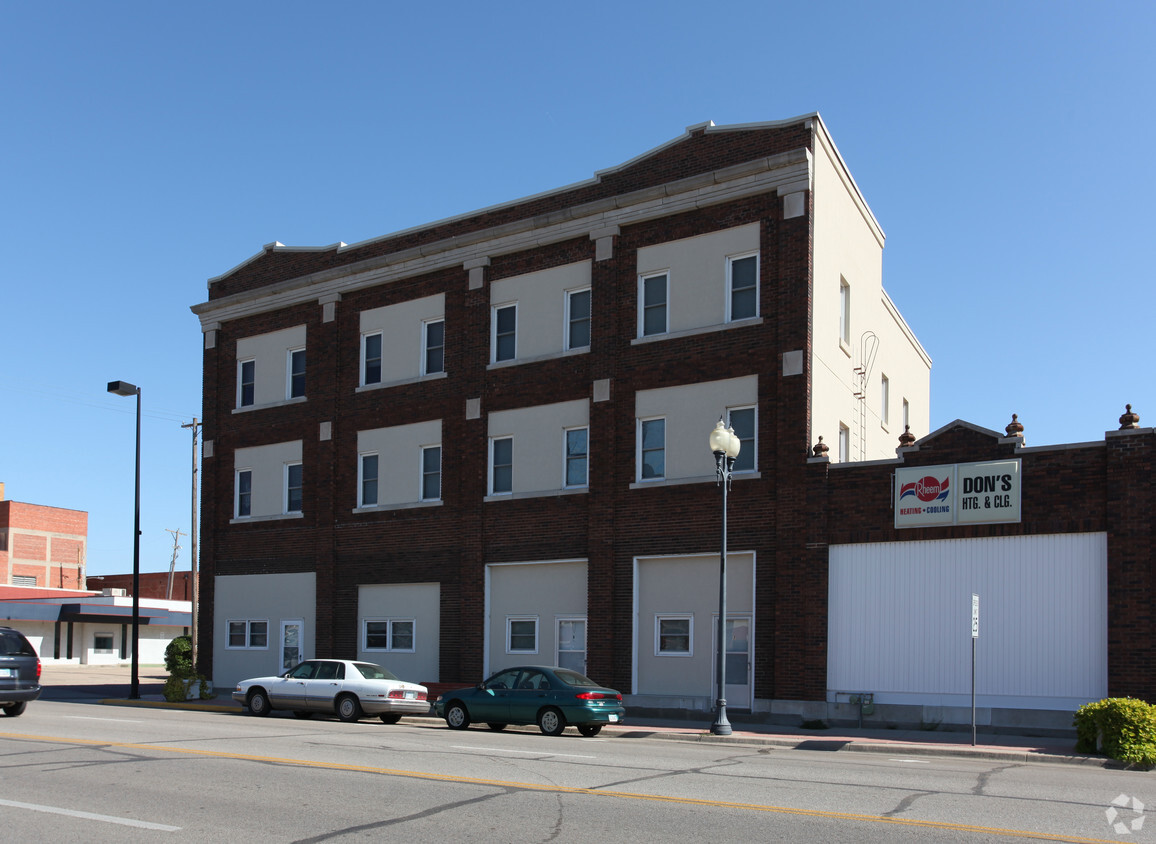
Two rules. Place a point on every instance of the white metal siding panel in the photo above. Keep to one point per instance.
(899, 622)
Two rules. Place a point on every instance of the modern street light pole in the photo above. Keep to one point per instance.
(725, 445)
(123, 388)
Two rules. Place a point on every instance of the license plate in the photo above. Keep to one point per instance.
(7, 672)
(410, 695)
(613, 718)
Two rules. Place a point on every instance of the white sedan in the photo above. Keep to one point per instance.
(345, 687)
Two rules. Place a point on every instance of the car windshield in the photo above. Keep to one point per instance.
(374, 672)
(573, 678)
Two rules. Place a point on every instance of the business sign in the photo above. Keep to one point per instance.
(960, 493)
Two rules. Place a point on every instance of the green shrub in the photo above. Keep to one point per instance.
(179, 656)
(179, 663)
(1119, 727)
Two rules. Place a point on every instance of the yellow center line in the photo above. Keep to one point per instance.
(563, 789)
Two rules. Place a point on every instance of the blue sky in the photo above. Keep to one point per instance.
(147, 147)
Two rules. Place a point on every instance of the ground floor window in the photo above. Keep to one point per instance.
(673, 635)
(249, 633)
(102, 643)
(389, 634)
(521, 635)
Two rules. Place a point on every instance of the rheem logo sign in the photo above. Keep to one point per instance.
(963, 493)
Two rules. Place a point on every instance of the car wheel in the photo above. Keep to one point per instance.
(497, 728)
(15, 709)
(300, 713)
(389, 717)
(349, 708)
(258, 702)
(457, 717)
(551, 721)
(589, 730)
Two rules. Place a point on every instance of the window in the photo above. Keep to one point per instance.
(844, 443)
(102, 643)
(577, 319)
(906, 414)
(885, 400)
(653, 316)
(652, 449)
(246, 374)
(370, 359)
(673, 635)
(434, 344)
(293, 488)
(249, 634)
(389, 634)
(367, 484)
(743, 280)
(431, 473)
(243, 496)
(844, 312)
(505, 324)
(296, 385)
(501, 465)
(521, 635)
(742, 420)
(576, 457)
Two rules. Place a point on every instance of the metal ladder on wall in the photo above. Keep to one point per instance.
(868, 348)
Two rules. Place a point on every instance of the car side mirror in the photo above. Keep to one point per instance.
(481, 687)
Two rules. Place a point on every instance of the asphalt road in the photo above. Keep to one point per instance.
(81, 771)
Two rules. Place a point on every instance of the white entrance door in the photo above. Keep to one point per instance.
(738, 661)
(572, 644)
(291, 643)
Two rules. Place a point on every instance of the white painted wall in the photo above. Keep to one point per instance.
(539, 441)
(270, 353)
(418, 601)
(541, 298)
(546, 591)
(272, 597)
(399, 464)
(267, 463)
(899, 621)
(402, 352)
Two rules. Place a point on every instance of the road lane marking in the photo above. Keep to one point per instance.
(528, 752)
(913, 761)
(93, 718)
(563, 789)
(89, 816)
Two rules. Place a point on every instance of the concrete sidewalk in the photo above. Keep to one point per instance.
(110, 684)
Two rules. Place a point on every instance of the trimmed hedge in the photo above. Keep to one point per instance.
(182, 674)
(1121, 728)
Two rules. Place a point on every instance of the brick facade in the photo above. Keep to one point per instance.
(48, 544)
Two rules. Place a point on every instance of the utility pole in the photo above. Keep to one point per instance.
(194, 425)
(177, 534)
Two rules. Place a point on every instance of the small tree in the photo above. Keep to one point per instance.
(182, 672)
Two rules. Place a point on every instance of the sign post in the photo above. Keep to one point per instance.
(974, 637)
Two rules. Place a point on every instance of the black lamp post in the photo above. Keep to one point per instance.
(725, 446)
(123, 388)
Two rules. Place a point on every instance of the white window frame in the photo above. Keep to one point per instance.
(885, 400)
(361, 503)
(237, 493)
(285, 488)
(731, 286)
(390, 646)
(248, 646)
(510, 619)
(753, 446)
(241, 382)
(490, 480)
(569, 319)
(661, 617)
(380, 335)
(425, 345)
(845, 315)
(642, 279)
(639, 452)
(289, 373)
(422, 472)
(494, 332)
(906, 414)
(566, 457)
(844, 443)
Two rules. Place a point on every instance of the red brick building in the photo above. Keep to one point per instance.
(42, 546)
(484, 441)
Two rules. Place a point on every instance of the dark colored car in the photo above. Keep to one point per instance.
(19, 672)
(551, 697)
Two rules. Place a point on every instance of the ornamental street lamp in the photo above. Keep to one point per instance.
(123, 388)
(725, 445)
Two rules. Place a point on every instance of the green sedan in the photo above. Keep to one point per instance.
(551, 697)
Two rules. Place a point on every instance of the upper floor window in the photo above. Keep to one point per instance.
(243, 494)
(371, 358)
(433, 346)
(293, 488)
(246, 382)
(367, 481)
(505, 325)
(431, 473)
(906, 414)
(885, 400)
(743, 285)
(742, 420)
(576, 457)
(296, 366)
(651, 449)
(844, 443)
(652, 310)
(844, 312)
(577, 319)
(501, 465)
